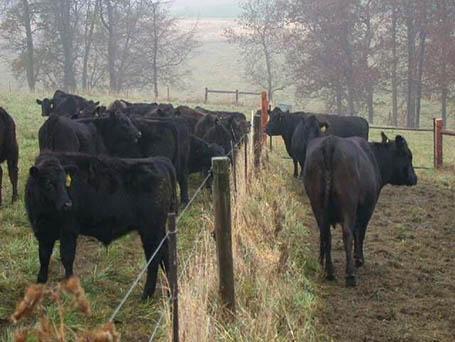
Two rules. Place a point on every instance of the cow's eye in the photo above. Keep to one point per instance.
(49, 185)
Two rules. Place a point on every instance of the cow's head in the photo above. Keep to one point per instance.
(47, 105)
(52, 182)
(122, 128)
(91, 109)
(275, 126)
(398, 168)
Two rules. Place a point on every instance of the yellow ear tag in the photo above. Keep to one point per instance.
(68, 180)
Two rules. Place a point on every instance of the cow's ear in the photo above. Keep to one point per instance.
(34, 171)
(39, 102)
(400, 141)
(96, 103)
(324, 126)
(385, 139)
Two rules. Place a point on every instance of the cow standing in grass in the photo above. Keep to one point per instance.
(286, 124)
(343, 178)
(72, 194)
(9, 151)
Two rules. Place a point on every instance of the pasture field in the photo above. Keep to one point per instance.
(405, 289)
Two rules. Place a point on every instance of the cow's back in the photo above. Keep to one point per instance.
(345, 126)
(340, 174)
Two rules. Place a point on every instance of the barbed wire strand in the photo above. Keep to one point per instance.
(193, 251)
(141, 273)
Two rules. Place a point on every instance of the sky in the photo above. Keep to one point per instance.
(206, 8)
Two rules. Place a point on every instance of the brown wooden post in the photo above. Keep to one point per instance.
(206, 97)
(172, 273)
(257, 140)
(234, 164)
(264, 111)
(438, 125)
(236, 97)
(245, 143)
(223, 222)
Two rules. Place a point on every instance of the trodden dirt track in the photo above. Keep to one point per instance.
(406, 289)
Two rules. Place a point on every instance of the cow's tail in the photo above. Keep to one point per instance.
(327, 156)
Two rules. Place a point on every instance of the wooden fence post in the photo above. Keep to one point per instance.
(264, 111)
(172, 274)
(236, 97)
(206, 97)
(245, 143)
(438, 125)
(257, 140)
(223, 221)
(234, 164)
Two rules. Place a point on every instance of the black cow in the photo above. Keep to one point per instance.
(145, 110)
(343, 178)
(285, 123)
(190, 115)
(168, 138)
(220, 135)
(72, 194)
(201, 154)
(307, 129)
(9, 151)
(110, 134)
(65, 104)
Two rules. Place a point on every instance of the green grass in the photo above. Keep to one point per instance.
(273, 304)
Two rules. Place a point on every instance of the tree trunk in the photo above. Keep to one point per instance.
(339, 98)
(370, 104)
(66, 39)
(420, 69)
(111, 46)
(30, 70)
(88, 43)
(411, 35)
(155, 51)
(268, 64)
(394, 66)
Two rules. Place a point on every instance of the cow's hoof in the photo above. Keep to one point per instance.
(359, 262)
(351, 281)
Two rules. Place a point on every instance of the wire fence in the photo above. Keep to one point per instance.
(163, 240)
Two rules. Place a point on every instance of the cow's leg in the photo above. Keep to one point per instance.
(296, 168)
(1, 184)
(183, 184)
(45, 251)
(68, 252)
(13, 175)
(363, 217)
(150, 243)
(326, 251)
(348, 230)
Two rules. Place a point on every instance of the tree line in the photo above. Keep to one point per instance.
(86, 44)
(352, 53)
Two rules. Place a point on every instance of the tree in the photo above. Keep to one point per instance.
(16, 29)
(259, 35)
(164, 47)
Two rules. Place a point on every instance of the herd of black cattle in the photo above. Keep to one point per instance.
(104, 172)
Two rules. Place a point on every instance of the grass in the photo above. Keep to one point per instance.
(279, 293)
(106, 273)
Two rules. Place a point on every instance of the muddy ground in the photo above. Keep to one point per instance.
(406, 289)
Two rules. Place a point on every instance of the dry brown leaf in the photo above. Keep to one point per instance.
(33, 296)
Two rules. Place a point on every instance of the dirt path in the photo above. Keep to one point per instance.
(406, 289)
